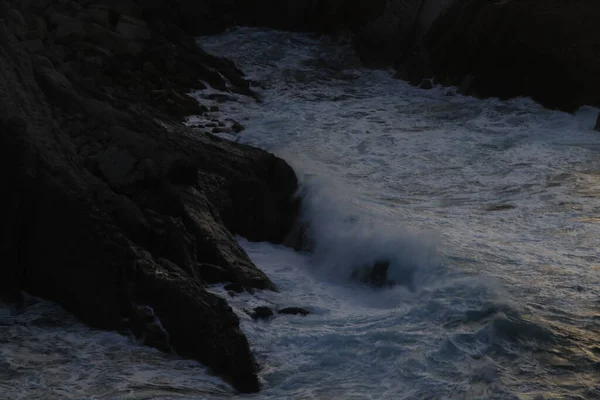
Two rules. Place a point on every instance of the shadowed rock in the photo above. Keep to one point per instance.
(294, 311)
(545, 49)
(112, 208)
(374, 275)
(261, 312)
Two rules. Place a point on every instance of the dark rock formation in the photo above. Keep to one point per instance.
(261, 312)
(374, 275)
(378, 275)
(294, 311)
(234, 287)
(598, 123)
(112, 207)
(547, 50)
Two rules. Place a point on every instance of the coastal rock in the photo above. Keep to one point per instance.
(261, 312)
(294, 311)
(374, 275)
(554, 60)
(113, 208)
(598, 123)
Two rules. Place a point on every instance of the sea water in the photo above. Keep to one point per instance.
(488, 212)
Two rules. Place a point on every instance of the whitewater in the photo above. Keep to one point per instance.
(488, 211)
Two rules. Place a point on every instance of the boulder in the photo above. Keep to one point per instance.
(261, 312)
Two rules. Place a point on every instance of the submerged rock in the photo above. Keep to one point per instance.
(261, 312)
(374, 275)
(294, 311)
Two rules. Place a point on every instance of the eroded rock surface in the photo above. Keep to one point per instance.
(547, 50)
(112, 207)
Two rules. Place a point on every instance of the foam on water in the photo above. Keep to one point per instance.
(487, 210)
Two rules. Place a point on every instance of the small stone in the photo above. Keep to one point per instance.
(294, 311)
(237, 127)
(262, 312)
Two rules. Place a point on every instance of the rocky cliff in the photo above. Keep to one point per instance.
(112, 207)
(547, 50)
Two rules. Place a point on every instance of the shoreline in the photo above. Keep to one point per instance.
(119, 212)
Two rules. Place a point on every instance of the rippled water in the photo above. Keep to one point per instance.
(489, 212)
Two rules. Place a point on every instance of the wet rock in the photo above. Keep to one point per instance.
(500, 207)
(234, 287)
(221, 98)
(261, 312)
(213, 273)
(549, 61)
(374, 275)
(146, 326)
(598, 123)
(294, 311)
(426, 84)
(237, 127)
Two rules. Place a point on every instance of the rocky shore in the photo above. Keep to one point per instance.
(122, 214)
(546, 50)
(112, 207)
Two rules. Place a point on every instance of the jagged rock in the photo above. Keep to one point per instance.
(69, 31)
(237, 127)
(426, 84)
(261, 312)
(554, 60)
(146, 326)
(132, 28)
(111, 203)
(374, 275)
(57, 87)
(294, 311)
(234, 287)
(115, 165)
(33, 46)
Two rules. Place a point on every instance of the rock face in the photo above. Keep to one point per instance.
(112, 207)
(547, 50)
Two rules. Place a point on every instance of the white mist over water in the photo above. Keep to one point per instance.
(489, 212)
